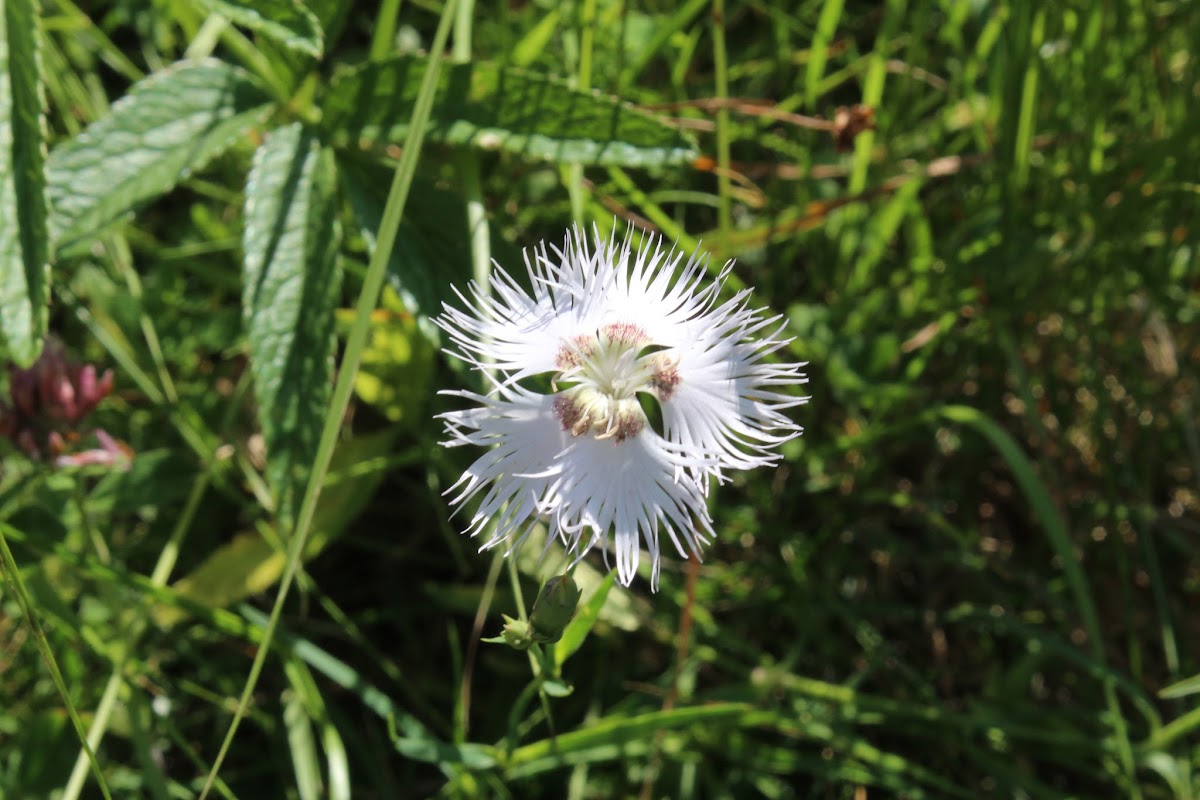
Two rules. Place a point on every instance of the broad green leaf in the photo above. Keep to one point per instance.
(424, 261)
(24, 253)
(169, 125)
(291, 287)
(249, 564)
(286, 21)
(491, 108)
(1175, 772)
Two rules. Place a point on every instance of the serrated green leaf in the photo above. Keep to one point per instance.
(167, 126)
(492, 108)
(24, 252)
(292, 281)
(424, 261)
(286, 21)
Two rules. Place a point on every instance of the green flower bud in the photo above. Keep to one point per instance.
(554, 608)
(516, 633)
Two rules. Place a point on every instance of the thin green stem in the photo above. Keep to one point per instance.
(1175, 729)
(23, 600)
(515, 713)
(721, 67)
(587, 35)
(469, 170)
(537, 659)
(206, 39)
(478, 229)
(242, 48)
(367, 300)
(167, 559)
(100, 720)
(118, 252)
(462, 31)
(384, 35)
(583, 81)
(85, 522)
(462, 711)
(479, 233)
(518, 595)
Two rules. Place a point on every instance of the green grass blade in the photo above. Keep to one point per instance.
(1043, 507)
(13, 575)
(1183, 688)
(1023, 142)
(818, 54)
(368, 298)
(1055, 528)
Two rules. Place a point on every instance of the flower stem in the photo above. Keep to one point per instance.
(479, 235)
(384, 34)
(720, 64)
(583, 81)
(13, 574)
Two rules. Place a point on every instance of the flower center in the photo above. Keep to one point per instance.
(603, 374)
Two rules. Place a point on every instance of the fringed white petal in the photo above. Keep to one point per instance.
(722, 401)
(630, 490)
(724, 404)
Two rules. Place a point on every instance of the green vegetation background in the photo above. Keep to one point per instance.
(974, 576)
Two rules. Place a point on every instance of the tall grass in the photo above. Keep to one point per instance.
(976, 575)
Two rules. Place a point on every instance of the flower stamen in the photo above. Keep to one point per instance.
(604, 374)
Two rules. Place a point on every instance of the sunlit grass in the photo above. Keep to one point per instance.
(971, 577)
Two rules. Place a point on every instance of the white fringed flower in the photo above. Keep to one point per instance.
(613, 331)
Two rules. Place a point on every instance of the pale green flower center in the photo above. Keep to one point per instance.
(603, 375)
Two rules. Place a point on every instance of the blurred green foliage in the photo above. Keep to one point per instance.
(974, 576)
